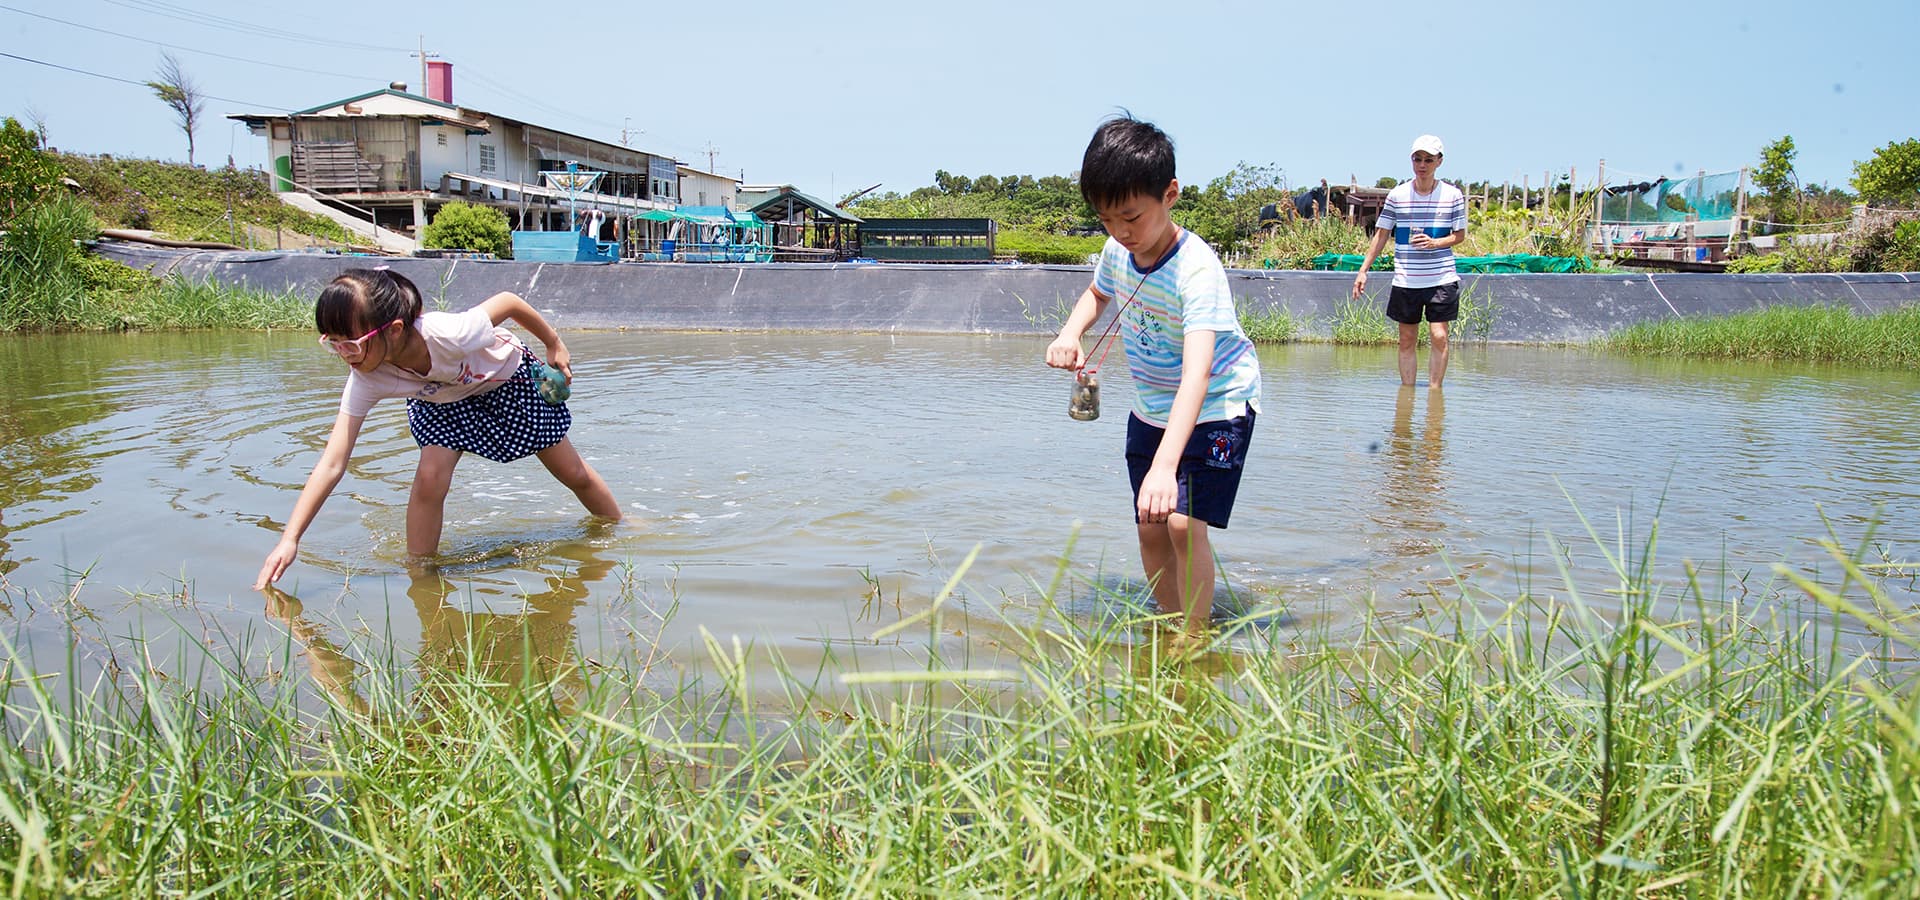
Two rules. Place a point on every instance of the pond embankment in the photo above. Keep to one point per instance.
(998, 299)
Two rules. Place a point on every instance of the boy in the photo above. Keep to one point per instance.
(1426, 217)
(1196, 378)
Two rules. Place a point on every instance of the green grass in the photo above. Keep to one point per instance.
(48, 283)
(188, 203)
(1032, 246)
(1658, 739)
(1820, 333)
(1271, 325)
(1361, 321)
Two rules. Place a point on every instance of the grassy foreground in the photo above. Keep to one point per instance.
(1604, 750)
(1803, 333)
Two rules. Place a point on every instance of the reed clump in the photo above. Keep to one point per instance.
(1658, 739)
(48, 282)
(1814, 333)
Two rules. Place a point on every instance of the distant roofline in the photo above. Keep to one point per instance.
(389, 91)
(251, 118)
(686, 168)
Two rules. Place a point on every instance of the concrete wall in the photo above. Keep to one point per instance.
(998, 299)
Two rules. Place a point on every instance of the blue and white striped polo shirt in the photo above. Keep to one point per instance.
(1439, 214)
(1187, 289)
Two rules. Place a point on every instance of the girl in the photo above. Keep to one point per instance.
(469, 387)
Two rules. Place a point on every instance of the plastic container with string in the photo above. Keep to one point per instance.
(1083, 400)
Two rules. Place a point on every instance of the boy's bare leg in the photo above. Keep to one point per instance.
(1156, 556)
(565, 464)
(1409, 347)
(1436, 354)
(1193, 555)
(1179, 561)
(427, 503)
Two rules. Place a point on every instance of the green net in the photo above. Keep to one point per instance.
(1710, 197)
(1510, 262)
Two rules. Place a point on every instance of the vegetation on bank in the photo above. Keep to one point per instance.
(1031, 246)
(227, 205)
(1821, 333)
(48, 282)
(1654, 739)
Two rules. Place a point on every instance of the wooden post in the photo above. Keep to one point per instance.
(1739, 211)
(1605, 240)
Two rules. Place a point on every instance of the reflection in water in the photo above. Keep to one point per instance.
(481, 626)
(1416, 476)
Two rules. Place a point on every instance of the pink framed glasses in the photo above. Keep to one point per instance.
(357, 346)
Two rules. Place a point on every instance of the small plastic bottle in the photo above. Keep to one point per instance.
(553, 383)
(1084, 402)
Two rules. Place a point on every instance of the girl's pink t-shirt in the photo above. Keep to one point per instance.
(470, 355)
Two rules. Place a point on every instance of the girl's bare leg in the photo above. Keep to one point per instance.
(569, 469)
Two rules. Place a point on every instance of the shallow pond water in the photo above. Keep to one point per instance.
(800, 492)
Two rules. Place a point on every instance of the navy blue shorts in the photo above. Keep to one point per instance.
(1209, 472)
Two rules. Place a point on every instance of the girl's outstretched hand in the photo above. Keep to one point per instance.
(277, 562)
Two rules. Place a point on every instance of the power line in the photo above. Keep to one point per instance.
(468, 72)
(42, 62)
(171, 11)
(257, 62)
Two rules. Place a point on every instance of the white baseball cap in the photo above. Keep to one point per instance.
(1427, 143)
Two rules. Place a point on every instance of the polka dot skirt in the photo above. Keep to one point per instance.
(504, 424)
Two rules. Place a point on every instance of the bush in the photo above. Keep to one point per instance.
(26, 174)
(1885, 246)
(1757, 263)
(1295, 243)
(42, 275)
(1030, 246)
(469, 226)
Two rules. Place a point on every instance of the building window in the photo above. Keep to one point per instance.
(489, 159)
(703, 198)
(440, 137)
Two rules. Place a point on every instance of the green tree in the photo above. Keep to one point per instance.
(1893, 174)
(1227, 211)
(469, 226)
(1776, 179)
(1386, 181)
(26, 174)
(181, 95)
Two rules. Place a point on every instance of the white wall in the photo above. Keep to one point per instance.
(720, 191)
(436, 160)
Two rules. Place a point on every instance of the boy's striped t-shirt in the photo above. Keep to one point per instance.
(1187, 289)
(1439, 214)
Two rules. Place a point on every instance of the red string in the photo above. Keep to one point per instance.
(1110, 335)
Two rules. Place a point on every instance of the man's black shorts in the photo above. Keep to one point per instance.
(1441, 303)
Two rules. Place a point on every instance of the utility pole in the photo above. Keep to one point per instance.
(711, 150)
(624, 122)
(421, 90)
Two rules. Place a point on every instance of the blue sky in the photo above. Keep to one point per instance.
(833, 97)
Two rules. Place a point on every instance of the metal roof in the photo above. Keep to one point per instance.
(757, 202)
